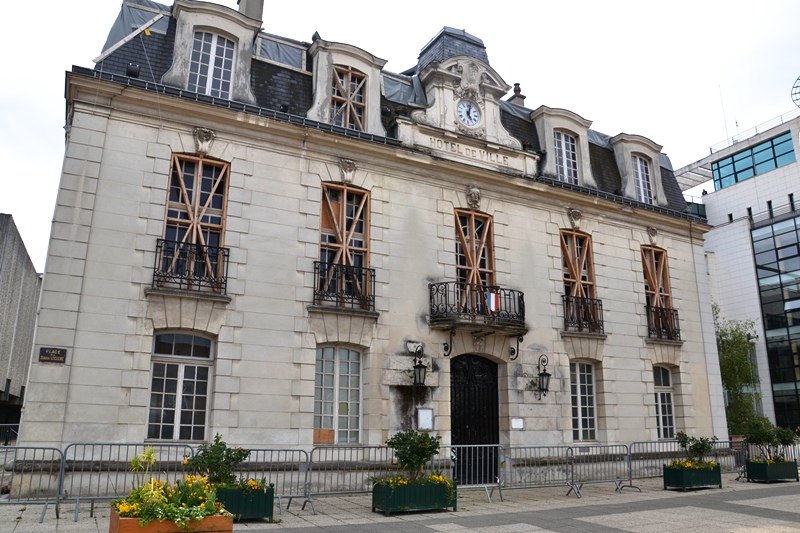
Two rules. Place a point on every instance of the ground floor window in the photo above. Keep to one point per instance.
(665, 418)
(179, 387)
(337, 396)
(584, 422)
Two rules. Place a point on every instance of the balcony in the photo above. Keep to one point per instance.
(344, 286)
(662, 324)
(583, 315)
(456, 304)
(190, 267)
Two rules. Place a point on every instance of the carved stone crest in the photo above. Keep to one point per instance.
(474, 197)
(203, 139)
(652, 233)
(575, 218)
(348, 169)
(478, 342)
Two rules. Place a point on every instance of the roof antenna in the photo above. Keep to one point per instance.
(724, 119)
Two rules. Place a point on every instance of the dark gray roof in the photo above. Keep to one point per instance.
(448, 43)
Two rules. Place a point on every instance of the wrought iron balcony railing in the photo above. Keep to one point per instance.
(584, 315)
(662, 323)
(455, 302)
(191, 267)
(344, 286)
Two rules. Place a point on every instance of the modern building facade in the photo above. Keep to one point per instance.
(19, 295)
(261, 237)
(752, 251)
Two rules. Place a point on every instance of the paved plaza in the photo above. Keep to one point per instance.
(737, 508)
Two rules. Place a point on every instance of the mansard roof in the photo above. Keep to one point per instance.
(281, 81)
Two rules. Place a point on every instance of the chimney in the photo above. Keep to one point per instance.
(518, 97)
(253, 9)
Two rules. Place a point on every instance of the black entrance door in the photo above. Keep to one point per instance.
(474, 418)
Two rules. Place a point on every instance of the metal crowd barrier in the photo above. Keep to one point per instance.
(347, 469)
(286, 469)
(101, 470)
(647, 458)
(535, 466)
(471, 466)
(600, 464)
(31, 475)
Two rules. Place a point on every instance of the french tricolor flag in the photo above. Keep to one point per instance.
(493, 301)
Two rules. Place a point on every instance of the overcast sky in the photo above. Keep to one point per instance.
(685, 74)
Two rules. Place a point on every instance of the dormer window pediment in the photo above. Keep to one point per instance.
(213, 51)
(347, 87)
(564, 135)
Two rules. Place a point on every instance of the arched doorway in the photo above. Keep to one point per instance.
(474, 418)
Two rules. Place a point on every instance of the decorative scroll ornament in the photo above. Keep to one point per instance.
(474, 197)
(575, 218)
(203, 139)
(348, 168)
(653, 233)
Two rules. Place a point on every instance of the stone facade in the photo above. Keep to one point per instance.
(101, 304)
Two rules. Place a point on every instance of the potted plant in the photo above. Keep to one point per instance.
(694, 471)
(155, 506)
(245, 498)
(771, 463)
(413, 490)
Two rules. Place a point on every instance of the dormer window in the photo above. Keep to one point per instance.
(641, 176)
(566, 157)
(211, 65)
(348, 98)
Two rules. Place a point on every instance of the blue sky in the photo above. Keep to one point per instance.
(685, 74)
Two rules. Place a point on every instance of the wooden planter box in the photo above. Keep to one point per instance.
(769, 472)
(245, 504)
(209, 524)
(413, 498)
(692, 478)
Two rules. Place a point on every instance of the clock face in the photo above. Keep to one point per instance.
(468, 113)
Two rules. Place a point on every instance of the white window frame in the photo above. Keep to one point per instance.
(665, 410)
(170, 403)
(566, 148)
(211, 64)
(583, 401)
(641, 176)
(337, 394)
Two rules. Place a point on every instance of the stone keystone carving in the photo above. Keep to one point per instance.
(575, 218)
(474, 197)
(348, 168)
(653, 233)
(203, 139)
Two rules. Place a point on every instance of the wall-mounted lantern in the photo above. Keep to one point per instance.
(544, 377)
(420, 369)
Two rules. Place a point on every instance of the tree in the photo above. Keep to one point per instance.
(739, 374)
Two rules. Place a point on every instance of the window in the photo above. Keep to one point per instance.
(582, 311)
(581, 378)
(641, 176)
(665, 419)
(344, 276)
(474, 259)
(211, 65)
(193, 254)
(179, 388)
(656, 277)
(769, 155)
(566, 158)
(662, 319)
(577, 263)
(337, 396)
(348, 98)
